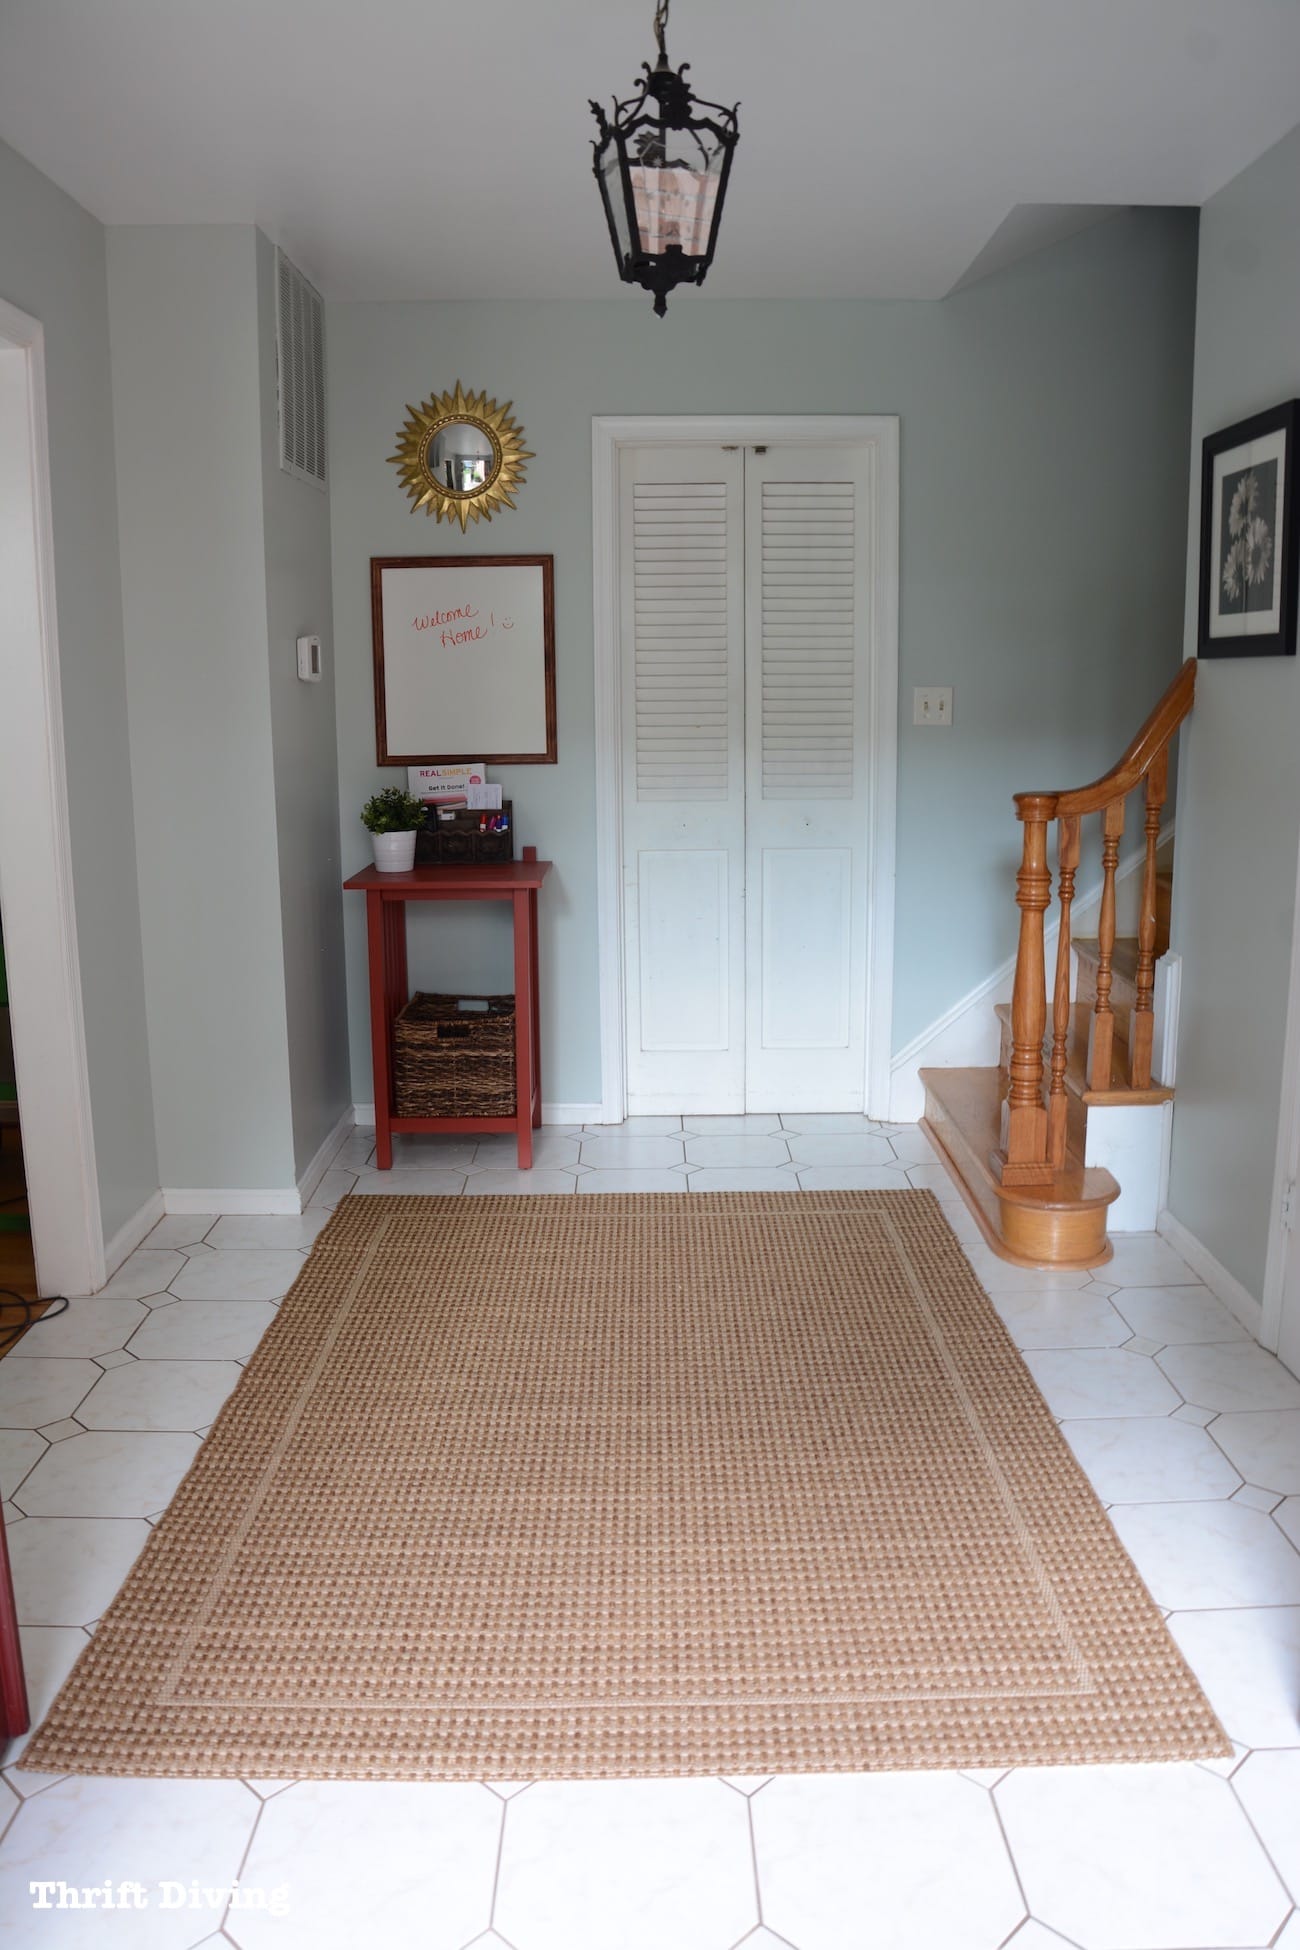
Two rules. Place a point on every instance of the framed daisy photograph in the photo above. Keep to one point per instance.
(1248, 537)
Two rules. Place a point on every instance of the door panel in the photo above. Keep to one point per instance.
(682, 541)
(684, 936)
(807, 918)
(807, 614)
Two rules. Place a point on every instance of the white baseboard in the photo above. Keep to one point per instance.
(326, 1155)
(364, 1114)
(967, 1036)
(573, 1114)
(237, 1203)
(1222, 1284)
(129, 1236)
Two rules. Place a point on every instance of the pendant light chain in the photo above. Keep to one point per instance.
(661, 26)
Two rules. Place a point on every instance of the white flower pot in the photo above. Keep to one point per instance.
(394, 852)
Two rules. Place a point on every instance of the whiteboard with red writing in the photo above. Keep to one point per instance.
(464, 659)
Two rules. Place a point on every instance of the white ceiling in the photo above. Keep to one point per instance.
(412, 149)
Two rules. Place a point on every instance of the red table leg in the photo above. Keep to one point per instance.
(379, 1037)
(537, 1007)
(525, 1034)
(14, 1715)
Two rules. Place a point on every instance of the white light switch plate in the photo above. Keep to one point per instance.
(933, 706)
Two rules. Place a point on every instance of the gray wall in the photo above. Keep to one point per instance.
(52, 266)
(305, 755)
(1239, 795)
(1044, 480)
(186, 400)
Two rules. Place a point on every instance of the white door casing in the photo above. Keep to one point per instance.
(820, 866)
(35, 859)
(1280, 1325)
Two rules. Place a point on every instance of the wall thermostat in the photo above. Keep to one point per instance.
(309, 665)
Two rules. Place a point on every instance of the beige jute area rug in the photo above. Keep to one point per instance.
(630, 1485)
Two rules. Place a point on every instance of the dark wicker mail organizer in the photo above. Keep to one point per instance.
(450, 1061)
(443, 842)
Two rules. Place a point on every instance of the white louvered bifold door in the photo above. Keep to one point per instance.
(807, 669)
(682, 587)
(745, 660)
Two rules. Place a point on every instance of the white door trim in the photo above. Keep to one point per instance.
(608, 435)
(1283, 1240)
(35, 856)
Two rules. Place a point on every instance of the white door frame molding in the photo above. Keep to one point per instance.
(35, 856)
(608, 435)
(1284, 1234)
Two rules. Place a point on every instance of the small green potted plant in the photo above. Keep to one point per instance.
(393, 818)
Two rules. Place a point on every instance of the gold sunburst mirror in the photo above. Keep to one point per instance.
(460, 456)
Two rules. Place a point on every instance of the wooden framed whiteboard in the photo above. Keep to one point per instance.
(464, 658)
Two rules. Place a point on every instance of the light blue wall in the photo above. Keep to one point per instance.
(52, 267)
(1239, 795)
(186, 399)
(296, 529)
(1044, 483)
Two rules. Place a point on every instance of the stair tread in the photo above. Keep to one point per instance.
(973, 1100)
(1028, 1226)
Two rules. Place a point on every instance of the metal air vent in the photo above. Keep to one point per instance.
(300, 372)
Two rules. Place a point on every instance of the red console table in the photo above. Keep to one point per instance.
(14, 1716)
(516, 881)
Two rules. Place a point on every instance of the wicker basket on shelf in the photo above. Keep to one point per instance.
(452, 1061)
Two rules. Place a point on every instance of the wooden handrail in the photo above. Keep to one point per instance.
(1034, 1132)
(1137, 761)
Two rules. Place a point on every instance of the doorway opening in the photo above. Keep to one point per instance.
(41, 962)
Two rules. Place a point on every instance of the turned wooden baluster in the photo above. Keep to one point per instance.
(1142, 1028)
(1067, 857)
(1024, 1158)
(1101, 1040)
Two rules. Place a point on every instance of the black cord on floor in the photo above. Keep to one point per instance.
(12, 1331)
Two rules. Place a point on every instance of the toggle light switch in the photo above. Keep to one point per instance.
(933, 706)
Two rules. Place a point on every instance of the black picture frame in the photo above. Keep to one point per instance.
(1250, 525)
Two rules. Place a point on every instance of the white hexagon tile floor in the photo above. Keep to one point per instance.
(1188, 1430)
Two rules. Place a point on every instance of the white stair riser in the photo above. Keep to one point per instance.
(1128, 1140)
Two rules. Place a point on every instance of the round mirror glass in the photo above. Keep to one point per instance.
(460, 458)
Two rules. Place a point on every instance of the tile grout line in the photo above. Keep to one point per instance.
(496, 1866)
(1230, 1781)
(243, 1860)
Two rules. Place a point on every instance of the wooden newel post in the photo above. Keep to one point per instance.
(1024, 1159)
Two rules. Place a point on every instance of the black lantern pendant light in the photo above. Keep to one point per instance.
(662, 166)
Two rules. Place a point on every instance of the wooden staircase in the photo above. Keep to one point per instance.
(1015, 1138)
